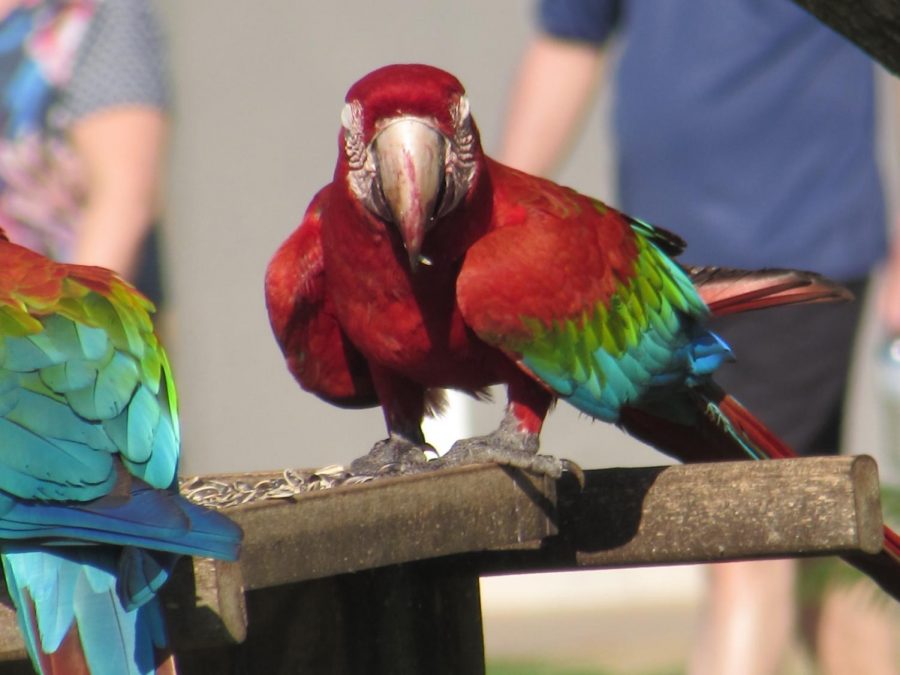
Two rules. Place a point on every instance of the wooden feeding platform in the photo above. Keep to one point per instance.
(382, 576)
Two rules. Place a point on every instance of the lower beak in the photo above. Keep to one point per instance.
(410, 160)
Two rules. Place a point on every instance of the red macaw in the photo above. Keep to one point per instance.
(424, 264)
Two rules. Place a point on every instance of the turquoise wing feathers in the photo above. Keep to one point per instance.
(89, 449)
(630, 347)
(82, 378)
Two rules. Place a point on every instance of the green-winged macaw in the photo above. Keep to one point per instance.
(425, 264)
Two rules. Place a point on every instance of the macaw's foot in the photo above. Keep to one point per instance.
(392, 456)
(517, 450)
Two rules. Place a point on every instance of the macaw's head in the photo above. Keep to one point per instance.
(411, 147)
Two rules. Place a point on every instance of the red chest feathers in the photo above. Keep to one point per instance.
(403, 320)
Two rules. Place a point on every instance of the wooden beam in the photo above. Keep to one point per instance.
(708, 513)
(640, 516)
(493, 520)
(392, 520)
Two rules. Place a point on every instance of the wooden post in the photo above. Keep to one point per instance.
(398, 620)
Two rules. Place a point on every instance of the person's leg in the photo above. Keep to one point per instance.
(859, 631)
(748, 619)
(791, 372)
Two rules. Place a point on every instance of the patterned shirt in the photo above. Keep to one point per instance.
(61, 61)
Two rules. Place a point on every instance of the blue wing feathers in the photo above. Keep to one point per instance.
(8, 401)
(34, 467)
(110, 393)
(144, 418)
(100, 312)
(707, 352)
(52, 418)
(149, 518)
(67, 377)
(162, 465)
(22, 354)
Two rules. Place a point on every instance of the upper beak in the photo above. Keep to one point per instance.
(409, 156)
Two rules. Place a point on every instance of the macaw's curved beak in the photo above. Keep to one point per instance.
(409, 156)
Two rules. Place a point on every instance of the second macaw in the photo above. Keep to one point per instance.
(424, 264)
(91, 521)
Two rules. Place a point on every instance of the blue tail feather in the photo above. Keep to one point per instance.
(74, 590)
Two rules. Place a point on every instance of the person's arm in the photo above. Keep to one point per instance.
(121, 149)
(116, 104)
(554, 89)
(890, 288)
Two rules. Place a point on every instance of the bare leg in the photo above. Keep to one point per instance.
(748, 622)
(859, 631)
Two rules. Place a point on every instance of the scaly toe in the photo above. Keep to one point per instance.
(392, 456)
(485, 449)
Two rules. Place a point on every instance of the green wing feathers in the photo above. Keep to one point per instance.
(82, 376)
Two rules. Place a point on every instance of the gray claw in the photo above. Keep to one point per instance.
(500, 449)
(392, 456)
(568, 466)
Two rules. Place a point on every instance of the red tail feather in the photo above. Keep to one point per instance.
(728, 291)
(753, 429)
(883, 567)
(705, 441)
(892, 543)
(68, 659)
